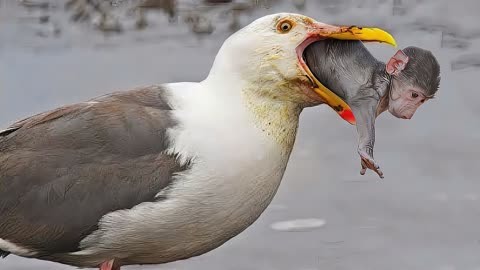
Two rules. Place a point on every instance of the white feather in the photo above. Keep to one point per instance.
(15, 249)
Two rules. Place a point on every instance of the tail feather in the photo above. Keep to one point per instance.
(8, 131)
(4, 254)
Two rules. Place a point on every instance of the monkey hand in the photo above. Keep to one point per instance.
(367, 161)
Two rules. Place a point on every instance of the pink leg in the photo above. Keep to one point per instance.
(109, 265)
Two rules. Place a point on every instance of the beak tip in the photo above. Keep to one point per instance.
(393, 43)
(348, 116)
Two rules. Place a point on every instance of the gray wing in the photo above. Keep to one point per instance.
(62, 170)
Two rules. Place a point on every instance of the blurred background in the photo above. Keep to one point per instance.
(425, 214)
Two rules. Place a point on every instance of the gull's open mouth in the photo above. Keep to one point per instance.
(329, 97)
(323, 31)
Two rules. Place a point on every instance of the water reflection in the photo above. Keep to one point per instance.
(69, 21)
(52, 18)
(119, 16)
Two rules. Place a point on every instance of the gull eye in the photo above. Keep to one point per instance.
(284, 26)
(414, 95)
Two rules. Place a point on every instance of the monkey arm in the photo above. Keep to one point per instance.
(364, 110)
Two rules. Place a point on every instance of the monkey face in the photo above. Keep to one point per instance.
(404, 100)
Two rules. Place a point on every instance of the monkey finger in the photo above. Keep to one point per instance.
(379, 172)
(368, 163)
(376, 168)
(372, 165)
(364, 167)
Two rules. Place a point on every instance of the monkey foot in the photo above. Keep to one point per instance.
(369, 163)
(109, 265)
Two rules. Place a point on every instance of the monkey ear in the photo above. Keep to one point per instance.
(397, 63)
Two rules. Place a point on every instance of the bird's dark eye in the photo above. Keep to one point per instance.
(414, 95)
(284, 26)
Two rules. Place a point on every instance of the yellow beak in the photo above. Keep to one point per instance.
(366, 34)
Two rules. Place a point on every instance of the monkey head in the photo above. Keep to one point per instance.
(415, 78)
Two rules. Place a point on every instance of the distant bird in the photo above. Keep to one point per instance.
(163, 173)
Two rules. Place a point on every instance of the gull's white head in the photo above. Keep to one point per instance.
(267, 56)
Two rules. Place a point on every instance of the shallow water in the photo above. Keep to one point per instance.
(424, 215)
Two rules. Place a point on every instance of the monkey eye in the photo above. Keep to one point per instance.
(414, 95)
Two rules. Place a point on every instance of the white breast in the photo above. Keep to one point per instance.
(236, 171)
(237, 167)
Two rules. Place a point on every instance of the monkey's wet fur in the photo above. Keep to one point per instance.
(409, 79)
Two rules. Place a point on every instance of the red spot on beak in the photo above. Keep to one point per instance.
(348, 116)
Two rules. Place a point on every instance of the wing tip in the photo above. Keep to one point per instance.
(4, 254)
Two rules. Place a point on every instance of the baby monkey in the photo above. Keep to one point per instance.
(370, 87)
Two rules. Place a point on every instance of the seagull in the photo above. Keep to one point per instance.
(165, 172)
